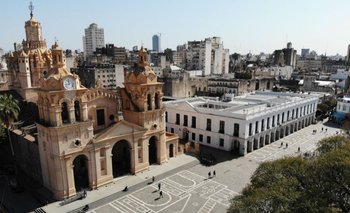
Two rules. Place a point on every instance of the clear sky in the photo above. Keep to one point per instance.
(243, 25)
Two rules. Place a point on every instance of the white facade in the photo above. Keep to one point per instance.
(244, 124)
(94, 38)
(284, 72)
(212, 57)
(343, 105)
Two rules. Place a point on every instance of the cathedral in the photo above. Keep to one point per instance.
(88, 137)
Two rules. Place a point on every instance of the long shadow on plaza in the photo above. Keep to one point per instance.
(210, 156)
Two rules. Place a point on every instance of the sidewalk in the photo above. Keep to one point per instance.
(113, 191)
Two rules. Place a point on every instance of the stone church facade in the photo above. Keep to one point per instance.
(88, 137)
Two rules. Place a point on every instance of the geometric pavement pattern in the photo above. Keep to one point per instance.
(184, 191)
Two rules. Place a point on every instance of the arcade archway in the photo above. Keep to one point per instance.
(171, 150)
(121, 158)
(152, 150)
(81, 172)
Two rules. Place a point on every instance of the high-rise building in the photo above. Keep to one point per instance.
(348, 55)
(208, 55)
(305, 52)
(156, 43)
(94, 38)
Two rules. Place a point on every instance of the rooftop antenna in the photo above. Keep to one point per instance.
(31, 8)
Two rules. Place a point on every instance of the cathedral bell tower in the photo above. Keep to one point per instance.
(64, 130)
(33, 33)
(142, 104)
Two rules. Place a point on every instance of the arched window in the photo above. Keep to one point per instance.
(156, 101)
(64, 113)
(149, 102)
(77, 110)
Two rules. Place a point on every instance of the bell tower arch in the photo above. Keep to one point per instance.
(142, 105)
(64, 132)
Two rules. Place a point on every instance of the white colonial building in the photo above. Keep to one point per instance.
(244, 124)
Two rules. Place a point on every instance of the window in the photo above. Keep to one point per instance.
(256, 127)
(100, 117)
(344, 107)
(282, 117)
(185, 120)
(177, 118)
(208, 124)
(193, 122)
(222, 127)
(288, 115)
(208, 139)
(149, 102)
(263, 125)
(200, 138)
(64, 113)
(278, 119)
(297, 114)
(172, 130)
(268, 123)
(166, 116)
(193, 136)
(77, 110)
(273, 121)
(236, 130)
(221, 142)
(250, 129)
(156, 101)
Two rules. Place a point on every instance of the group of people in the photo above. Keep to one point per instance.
(209, 174)
(282, 144)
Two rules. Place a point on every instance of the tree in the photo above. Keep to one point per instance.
(9, 112)
(295, 184)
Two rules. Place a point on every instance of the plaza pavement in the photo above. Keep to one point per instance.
(185, 183)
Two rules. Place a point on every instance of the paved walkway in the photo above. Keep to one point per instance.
(185, 183)
(112, 191)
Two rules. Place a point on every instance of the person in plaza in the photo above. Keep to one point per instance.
(125, 189)
(85, 194)
(281, 144)
(86, 207)
(299, 149)
(326, 130)
(286, 145)
(209, 174)
(153, 179)
(214, 173)
(322, 129)
(159, 185)
(161, 194)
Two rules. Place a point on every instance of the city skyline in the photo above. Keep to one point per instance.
(243, 26)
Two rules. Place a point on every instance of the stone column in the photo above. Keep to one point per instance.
(134, 156)
(85, 112)
(71, 113)
(70, 176)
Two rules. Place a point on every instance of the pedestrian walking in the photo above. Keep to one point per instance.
(322, 129)
(159, 185)
(286, 145)
(281, 144)
(299, 149)
(326, 130)
(160, 194)
(153, 179)
(125, 189)
(209, 174)
(214, 173)
(85, 194)
(86, 208)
